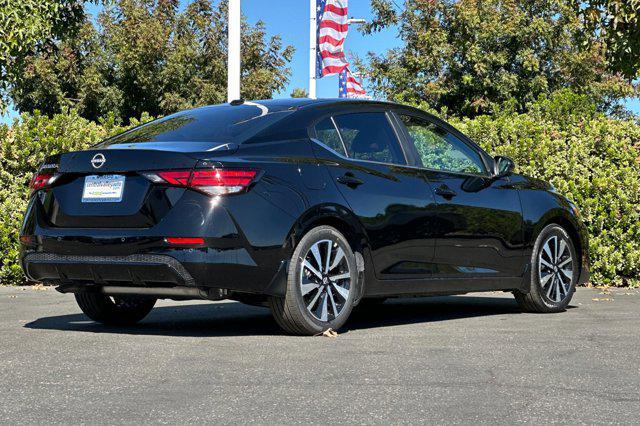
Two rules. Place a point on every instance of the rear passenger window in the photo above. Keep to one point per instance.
(327, 133)
(369, 136)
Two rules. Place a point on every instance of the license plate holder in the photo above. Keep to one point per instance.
(103, 189)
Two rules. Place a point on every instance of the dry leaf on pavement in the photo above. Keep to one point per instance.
(328, 333)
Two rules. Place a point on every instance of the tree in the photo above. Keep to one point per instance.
(474, 56)
(27, 25)
(149, 56)
(618, 22)
(299, 92)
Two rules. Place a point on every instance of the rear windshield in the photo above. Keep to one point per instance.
(215, 124)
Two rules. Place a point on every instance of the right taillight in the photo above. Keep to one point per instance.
(40, 180)
(208, 181)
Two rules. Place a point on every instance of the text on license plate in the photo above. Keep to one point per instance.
(103, 189)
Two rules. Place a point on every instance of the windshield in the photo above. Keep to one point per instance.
(214, 124)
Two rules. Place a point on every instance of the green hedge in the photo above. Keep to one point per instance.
(591, 158)
(23, 147)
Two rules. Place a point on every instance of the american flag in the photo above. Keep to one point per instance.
(332, 31)
(349, 86)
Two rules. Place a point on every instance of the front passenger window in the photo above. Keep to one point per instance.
(440, 150)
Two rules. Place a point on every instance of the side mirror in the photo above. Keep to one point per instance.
(503, 166)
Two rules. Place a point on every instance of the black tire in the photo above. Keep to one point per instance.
(290, 312)
(548, 297)
(115, 310)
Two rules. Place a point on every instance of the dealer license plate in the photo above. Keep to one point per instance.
(103, 189)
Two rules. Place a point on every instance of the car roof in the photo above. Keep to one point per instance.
(276, 105)
(307, 104)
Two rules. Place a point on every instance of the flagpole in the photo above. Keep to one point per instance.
(233, 51)
(313, 44)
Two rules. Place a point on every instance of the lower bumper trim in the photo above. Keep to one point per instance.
(179, 292)
(138, 269)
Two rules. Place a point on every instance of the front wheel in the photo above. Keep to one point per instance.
(115, 310)
(554, 272)
(321, 284)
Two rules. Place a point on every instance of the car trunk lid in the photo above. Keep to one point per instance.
(108, 188)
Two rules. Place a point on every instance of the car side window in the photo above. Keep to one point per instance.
(327, 133)
(440, 150)
(369, 136)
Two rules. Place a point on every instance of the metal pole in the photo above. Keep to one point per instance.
(233, 65)
(313, 42)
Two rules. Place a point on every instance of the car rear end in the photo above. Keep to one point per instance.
(146, 215)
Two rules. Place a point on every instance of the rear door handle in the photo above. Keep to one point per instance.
(445, 192)
(350, 180)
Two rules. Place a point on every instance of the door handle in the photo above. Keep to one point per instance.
(445, 192)
(350, 180)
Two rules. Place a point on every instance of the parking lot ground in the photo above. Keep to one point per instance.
(463, 359)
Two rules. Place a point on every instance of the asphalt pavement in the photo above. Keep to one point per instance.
(469, 359)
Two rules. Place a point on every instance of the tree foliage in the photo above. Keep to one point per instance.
(149, 56)
(27, 25)
(471, 56)
(618, 22)
(299, 92)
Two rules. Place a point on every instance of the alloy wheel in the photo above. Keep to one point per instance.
(325, 280)
(555, 269)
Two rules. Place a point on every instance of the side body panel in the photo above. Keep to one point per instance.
(394, 204)
(479, 230)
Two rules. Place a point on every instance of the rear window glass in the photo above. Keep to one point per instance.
(328, 135)
(369, 136)
(220, 123)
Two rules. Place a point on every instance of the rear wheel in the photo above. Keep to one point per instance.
(321, 284)
(554, 272)
(115, 310)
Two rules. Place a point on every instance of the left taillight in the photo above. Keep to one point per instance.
(40, 180)
(208, 181)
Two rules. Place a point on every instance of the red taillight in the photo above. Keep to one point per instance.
(211, 182)
(180, 178)
(27, 239)
(39, 181)
(222, 177)
(182, 241)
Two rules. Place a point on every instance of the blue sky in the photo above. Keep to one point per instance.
(290, 19)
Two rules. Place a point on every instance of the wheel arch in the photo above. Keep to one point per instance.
(564, 219)
(571, 229)
(568, 225)
(347, 223)
(333, 215)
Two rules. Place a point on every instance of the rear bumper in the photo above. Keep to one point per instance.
(136, 269)
(239, 254)
(207, 271)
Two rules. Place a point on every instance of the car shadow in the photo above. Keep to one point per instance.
(428, 309)
(236, 319)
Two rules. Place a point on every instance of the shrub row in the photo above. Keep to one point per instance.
(23, 147)
(591, 158)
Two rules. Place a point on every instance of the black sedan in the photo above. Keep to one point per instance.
(309, 207)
